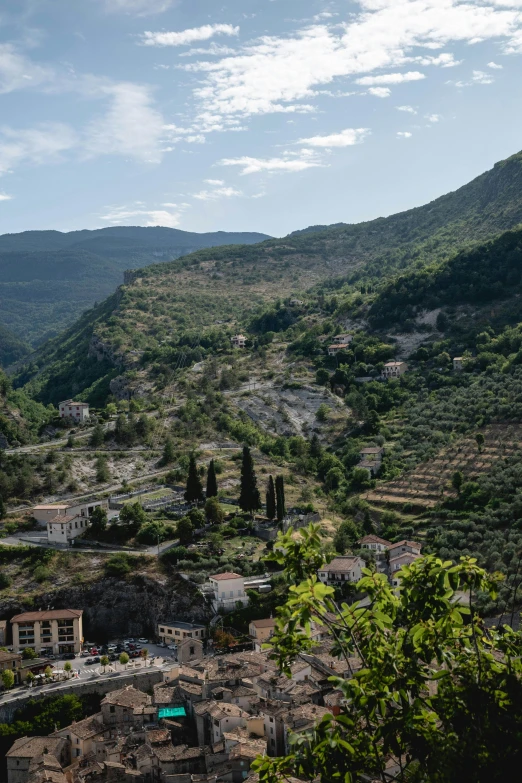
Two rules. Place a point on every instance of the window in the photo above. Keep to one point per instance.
(112, 708)
(191, 652)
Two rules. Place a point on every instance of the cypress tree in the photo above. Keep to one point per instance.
(212, 487)
(194, 491)
(249, 499)
(270, 499)
(315, 447)
(169, 453)
(2, 507)
(280, 498)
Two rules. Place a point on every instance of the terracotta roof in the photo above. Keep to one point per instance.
(412, 544)
(89, 727)
(127, 697)
(53, 614)
(30, 747)
(394, 364)
(226, 575)
(157, 736)
(65, 519)
(219, 710)
(8, 656)
(268, 623)
(341, 564)
(371, 539)
(72, 402)
(50, 507)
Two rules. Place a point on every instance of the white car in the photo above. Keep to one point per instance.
(172, 647)
(143, 641)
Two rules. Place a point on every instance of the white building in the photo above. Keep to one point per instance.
(394, 369)
(63, 528)
(374, 544)
(342, 569)
(79, 411)
(334, 348)
(228, 590)
(238, 341)
(402, 553)
(343, 339)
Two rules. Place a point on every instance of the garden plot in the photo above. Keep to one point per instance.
(430, 482)
(287, 411)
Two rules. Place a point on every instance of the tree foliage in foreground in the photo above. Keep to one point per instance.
(432, 691)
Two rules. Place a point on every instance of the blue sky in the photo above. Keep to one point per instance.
(253, 115)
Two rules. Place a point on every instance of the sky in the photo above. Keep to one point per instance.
(249, 115)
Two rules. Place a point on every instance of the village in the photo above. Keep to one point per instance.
(205, 714)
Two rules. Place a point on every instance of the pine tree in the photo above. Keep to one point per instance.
(280, 498)
(169, 453)
(270, 499)
(2, 507)
(194, 491)
(212, 487)
(249, 499)
(315, 447)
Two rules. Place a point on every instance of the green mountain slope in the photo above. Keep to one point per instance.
(207, 294)
(12, 349)
(48, 277)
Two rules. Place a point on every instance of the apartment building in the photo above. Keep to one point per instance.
(59, 630)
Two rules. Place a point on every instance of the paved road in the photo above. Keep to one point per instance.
(92, 673)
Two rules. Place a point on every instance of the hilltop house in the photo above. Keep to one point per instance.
(394, 369)
(342, 569)
(238, 341)
(340, 343)
(47, 512)
(400, 554)
(59, 630)
(79, 411)
(61, 529)
(227, 590)
(374, 544)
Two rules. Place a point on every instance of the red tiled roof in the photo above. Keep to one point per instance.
(53, 614)
(226, 575)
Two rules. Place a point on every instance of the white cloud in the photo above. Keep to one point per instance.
(19, 72)
(445, 60)
(380, 92)
(118, 216)
(43, 144)
(276, 72)
(495, 66)
(480, 77)
(131, 127)
(5, 197)
(216, 182)
(408, 109)
(213, 50)
(257, 165)
(345, 138)
(433, 117)
(392, 78)
(183, 37)
(217, 193)
(404, 134)
(138, 7)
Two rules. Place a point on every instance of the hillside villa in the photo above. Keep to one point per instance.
(238, 341)
(79, 411)
(371, 459)
(394, 369)
(342, 569)
(46, 512)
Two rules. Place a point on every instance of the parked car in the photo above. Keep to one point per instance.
(113, 657)
(69, 657)
(132, 646)
(111, 648)
(143, 641)
(84, 654)
(89, 661)
(172, 647)
(134, 654)
(94, 651)
(96, 659)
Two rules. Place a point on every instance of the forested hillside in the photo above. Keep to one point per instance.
(47, 278)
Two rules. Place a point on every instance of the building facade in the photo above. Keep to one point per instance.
(238, 341)
(261, 631)
(177, 630)
(394, 369)
(47, 512)
(228, 590)
(62, 529)
(342, 569)
(58, 630)
(78, 411)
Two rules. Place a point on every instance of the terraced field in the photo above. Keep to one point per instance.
(430, 482)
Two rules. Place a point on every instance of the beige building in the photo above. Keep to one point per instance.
(189, 650)
(128, 707)
(82, 735)
(47, 512)
(458, 363)
(343, 339)
(228, 590)
(334, 348)
(79, 411)
(26, 755)
(62, 529)
(3, 633)
(59, 630)
(342, 569)
(261, 631)
(238, 341)
(178, 630)
(394, 369)
(374, 544)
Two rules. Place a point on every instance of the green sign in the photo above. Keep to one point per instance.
(172, 712)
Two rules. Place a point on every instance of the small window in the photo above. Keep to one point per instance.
(112, 708)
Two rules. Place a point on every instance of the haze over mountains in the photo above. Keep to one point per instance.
(47, 278)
